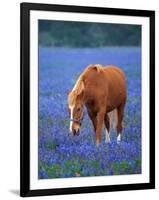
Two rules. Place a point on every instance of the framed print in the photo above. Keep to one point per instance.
(87, 99)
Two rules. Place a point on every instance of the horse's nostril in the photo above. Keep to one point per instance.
(77, 133)
(74, 132)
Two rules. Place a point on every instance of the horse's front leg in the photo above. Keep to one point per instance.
(100, 120)
(93, 117)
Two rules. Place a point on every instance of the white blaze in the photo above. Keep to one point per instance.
(71, 117)
(71, 109)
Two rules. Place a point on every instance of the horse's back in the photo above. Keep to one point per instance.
(114, 71)
(101, 77)
(106, 75)
(96, 72)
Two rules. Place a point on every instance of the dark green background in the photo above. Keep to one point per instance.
(87, 34)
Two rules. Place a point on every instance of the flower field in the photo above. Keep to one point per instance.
(60, 154)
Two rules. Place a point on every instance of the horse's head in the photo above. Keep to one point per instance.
(76, 109)
(76, 113)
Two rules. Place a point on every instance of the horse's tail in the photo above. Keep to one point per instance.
(113, 118)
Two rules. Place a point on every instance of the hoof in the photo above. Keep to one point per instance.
(97, 143)
(107, 137)
(119, 139)
(118, 142)
(107, 141)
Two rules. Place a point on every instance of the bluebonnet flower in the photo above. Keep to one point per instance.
(60, 154)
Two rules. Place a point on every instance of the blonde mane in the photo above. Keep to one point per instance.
(77, 89)
(79, 86)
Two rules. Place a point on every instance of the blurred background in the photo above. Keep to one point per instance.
(86, 34)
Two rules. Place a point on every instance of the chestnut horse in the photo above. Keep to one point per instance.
(102, 90)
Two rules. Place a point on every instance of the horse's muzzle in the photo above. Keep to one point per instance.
(76, 132)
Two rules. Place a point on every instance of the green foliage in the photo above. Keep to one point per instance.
(125, 167)
(53, 171)
(73, 167)
(51, 145)
(138, 162)
(115, 168)
(86, 34)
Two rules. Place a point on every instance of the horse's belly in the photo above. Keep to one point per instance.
(116, 99)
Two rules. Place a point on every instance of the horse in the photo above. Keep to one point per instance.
(102, 90)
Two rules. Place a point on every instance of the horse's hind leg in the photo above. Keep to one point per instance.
(120, 115)
(107, 128)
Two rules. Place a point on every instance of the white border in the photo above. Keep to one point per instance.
(86, 181)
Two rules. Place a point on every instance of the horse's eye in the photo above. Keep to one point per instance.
(78, 109)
